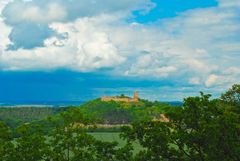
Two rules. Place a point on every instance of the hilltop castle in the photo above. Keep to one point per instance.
(122, 98)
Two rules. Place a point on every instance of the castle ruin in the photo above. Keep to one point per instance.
(122, 98)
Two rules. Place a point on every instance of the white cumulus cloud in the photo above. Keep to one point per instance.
(83, 49)
(211, 80)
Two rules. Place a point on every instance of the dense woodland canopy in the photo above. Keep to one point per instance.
(202, 129)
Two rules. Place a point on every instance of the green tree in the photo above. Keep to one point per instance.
(232, 96)
(31, 145)
(68, 138)
(201, 130)
(6, 146)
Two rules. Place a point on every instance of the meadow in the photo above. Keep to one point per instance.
(115, 137)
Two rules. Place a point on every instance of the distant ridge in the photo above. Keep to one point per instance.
(40, 103)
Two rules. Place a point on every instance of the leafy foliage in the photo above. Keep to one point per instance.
(202, 130)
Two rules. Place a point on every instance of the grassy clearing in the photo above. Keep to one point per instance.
(114, 136)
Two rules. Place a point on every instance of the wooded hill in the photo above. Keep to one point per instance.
(103, 112)
(123, 112)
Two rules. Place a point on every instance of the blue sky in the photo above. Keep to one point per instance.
(171, 8)
(71, 50)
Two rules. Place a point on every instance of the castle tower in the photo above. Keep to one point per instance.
(136, 96)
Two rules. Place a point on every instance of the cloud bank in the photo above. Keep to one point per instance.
(199, 47)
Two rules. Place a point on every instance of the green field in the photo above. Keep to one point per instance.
(114, 136)
(109, 137)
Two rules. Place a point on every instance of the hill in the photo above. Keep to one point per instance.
(122, 112)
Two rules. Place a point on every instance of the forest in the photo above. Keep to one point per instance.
(15, 116)
(202, 129)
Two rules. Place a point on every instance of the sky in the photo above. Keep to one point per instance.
(77, 50)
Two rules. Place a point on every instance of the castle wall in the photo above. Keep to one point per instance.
(116, 99)
(119, 99)
(135, 96)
